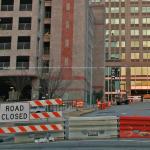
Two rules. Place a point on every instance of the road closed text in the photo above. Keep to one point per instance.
(18, 116)
(11, 112)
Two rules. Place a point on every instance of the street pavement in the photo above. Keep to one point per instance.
(83, 145)
(79, 112)
(140, 108)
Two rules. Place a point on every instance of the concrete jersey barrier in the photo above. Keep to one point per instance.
(92, 127)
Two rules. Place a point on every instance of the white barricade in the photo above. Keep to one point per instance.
(40, 124)
(92, 127)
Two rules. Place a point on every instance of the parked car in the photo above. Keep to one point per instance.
(121, 100)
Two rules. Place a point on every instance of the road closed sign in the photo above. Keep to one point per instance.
(14, 112)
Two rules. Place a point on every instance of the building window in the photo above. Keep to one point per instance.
(134, 32)
(146, 43)
(114, 21)
(6, 23)
(22, 62)
(106, 21)
(114, 9)
(48, 12)
(23, 42)
(145, 9)
(146, 32)
(114, 56)
(46, 48)
(135, 55)
(135, 44)
(146, 55)
(5, 43)
(25, 5)
(134, 9)
(123, 44)
(47, 28)
(67, 24)
(25, 23)
(134, 20)
(115, 44)
(4, 62)
(66, 43)
(146, 20)
(123, 56)
(68, 7)
(7, 5)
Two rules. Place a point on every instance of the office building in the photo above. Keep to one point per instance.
(41, 36)
(127, 45)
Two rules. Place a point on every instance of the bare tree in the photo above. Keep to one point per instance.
(18, 83)
(53, 83)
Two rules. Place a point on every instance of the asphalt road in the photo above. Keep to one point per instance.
(140, 108)
(82, 145)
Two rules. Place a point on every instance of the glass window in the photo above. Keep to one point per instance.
(146, 32)
(136, 70)
(134, 9)
(114, 9)
(123, 71)
(123, 56)
(146, 55)
(115, 44)
(114, 21)
(135, 44)
(107, 9)
(135, 55)
(134, 20)
(146, 20)
(107, 21)
(123, 43)
(134, 32)
(122, 21)
(146, 43)
(145, 9)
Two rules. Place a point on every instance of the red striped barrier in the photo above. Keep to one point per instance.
(44, 115)
(31, 128)
(134, 127)
(47, 102)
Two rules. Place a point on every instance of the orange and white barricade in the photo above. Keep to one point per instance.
(56, 129)
(31, 128)
(48, 102)
(44, 115)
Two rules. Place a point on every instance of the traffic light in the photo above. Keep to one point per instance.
(115, 72)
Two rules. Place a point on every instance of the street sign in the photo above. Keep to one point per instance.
(14, 112)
